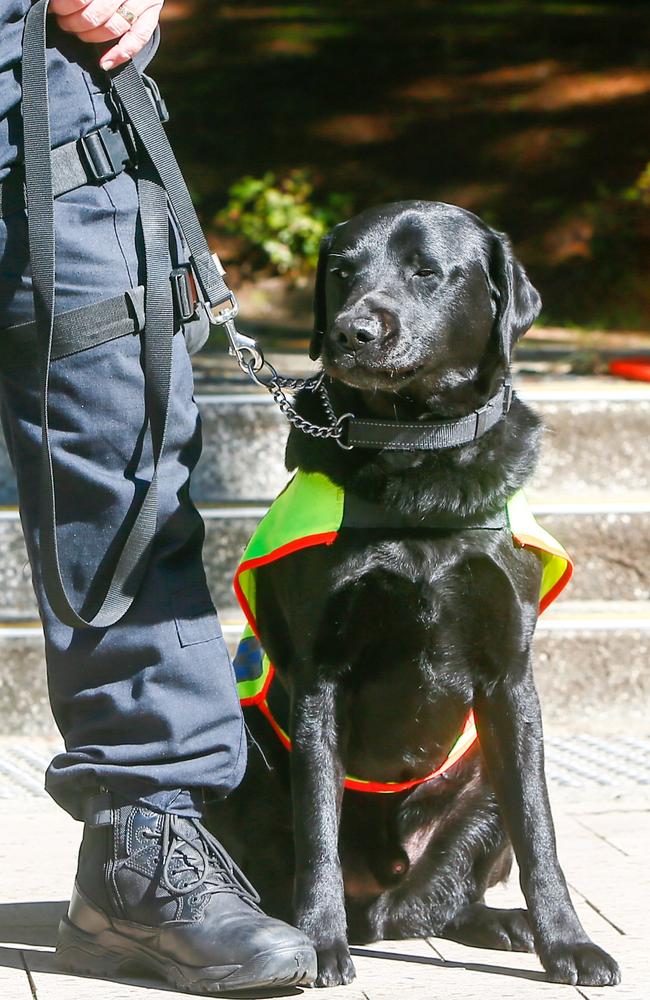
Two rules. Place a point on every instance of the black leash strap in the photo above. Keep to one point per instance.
(137, 104)
(133, 558)
(134, 97)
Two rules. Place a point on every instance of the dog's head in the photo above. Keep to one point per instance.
(417, 288)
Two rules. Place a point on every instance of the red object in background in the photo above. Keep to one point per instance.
(637, 367)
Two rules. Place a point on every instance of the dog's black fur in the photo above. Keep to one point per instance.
(386, 639)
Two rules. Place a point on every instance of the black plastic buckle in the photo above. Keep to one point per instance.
(184, 293)
(156, 97)
(507, 396)
(106, 154)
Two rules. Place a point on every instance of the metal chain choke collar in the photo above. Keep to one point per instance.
(276, 385)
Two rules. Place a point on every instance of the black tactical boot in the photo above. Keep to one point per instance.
(158, 891)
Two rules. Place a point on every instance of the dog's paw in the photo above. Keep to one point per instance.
(512, 930)
(335, 966)
(583, 964)
(488, 927)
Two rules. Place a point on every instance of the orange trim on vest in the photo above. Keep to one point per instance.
(463, 745)
(557, 588)
(325, 538)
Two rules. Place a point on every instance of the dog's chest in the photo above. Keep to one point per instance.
(404, 595)
(401, 726)
(398, 636)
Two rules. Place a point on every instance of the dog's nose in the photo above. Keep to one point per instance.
(354, 333)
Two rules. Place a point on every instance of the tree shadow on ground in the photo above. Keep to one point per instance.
(532, 114)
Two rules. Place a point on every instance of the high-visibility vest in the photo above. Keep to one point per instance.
(311, 511)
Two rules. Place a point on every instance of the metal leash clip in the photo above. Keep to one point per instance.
(252, 362)
(245, 349)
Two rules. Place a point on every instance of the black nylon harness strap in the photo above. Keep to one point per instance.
(132, 561)
(76, 330)
(96, 158)
(399, 435)
(369, 516)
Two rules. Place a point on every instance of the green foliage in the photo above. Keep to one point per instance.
(640, 190)
(282, 219)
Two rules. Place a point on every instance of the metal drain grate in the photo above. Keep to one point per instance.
(582, 763)
(22, 768)
(590, 762)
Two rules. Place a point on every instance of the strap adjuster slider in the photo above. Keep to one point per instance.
(482, 419)
(105, 154)
(184, 293)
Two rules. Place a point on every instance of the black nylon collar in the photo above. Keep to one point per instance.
(401, 435)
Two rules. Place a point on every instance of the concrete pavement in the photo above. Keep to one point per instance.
(603, 835)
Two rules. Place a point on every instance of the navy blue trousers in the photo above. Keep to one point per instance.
(149, 706)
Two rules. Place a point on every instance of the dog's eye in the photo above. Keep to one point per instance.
(341, 272)
(424, 272)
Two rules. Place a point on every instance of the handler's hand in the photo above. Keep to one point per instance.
(100, 20)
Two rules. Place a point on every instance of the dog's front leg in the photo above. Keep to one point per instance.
(510, 733)
(317, 789)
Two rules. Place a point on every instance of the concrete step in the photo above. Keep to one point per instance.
(596, 440)
(591, 665)
(591, 444)
(609, 541)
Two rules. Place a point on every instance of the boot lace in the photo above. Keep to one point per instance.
(193, 861)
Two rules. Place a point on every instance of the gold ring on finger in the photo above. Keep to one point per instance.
(126, 12)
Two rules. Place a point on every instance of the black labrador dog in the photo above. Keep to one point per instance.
(385, 638)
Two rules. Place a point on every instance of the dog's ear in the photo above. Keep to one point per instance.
(517, 301)
(320, 303)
